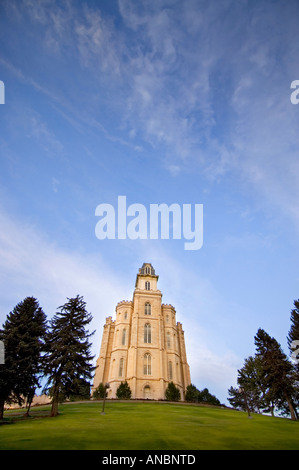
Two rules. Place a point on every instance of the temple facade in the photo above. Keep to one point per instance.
(144, 345)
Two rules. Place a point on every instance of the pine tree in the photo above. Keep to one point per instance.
(237, 398)
(277, 371)
(172, 392)
(206, 397)
(250, 381)
(192, 393)
(23, 336)
(8, 372)
(100, 392)
(68, 351)
(294, 333)
(123, 391)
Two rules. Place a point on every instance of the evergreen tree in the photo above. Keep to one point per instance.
(123, 391)
(277, 371)
(82, 392)
(100, 392)
(293, 343)
(206, 397)
(172, 393)
(8, 371)
(294, 333)
(192, 393)
(236, 398)
(23, 336)
(68, 351)
(250, 381)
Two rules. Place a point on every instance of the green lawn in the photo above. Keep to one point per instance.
(145, 426)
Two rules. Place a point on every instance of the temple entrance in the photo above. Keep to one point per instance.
(147, 392)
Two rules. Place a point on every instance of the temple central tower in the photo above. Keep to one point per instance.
(144, 345)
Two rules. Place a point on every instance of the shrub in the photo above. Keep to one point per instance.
(172, 393)
(124, 392)
(192, 394)
(99, 392)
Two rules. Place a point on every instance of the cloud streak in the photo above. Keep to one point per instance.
(35, 266)
(206, 87)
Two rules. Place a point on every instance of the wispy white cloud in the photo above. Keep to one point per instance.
(39, 130)
(216, 96)
(205, 86)
(30, 264)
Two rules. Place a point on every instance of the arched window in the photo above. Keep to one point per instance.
(147, 309)
(147, 270)
(123, 338)
(170, 375)
(121, 367)
(147, 285)
(147, 364)
(147, 333)
(168, 344)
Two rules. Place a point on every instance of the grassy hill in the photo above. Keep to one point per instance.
(145, 426)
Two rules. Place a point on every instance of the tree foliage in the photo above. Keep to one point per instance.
(68, 351)
(23, 335)
(236, 398)
(267, 380)
(123, 391)
(192, 394)
(100, 392)
(204, 396)
(172, 393)
(294, 335)
(277, 371)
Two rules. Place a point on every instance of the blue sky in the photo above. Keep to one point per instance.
(163, 102)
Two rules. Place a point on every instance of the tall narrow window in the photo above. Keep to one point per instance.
(147, 333)
(121, 367)
(147, 285)
(168, 340)
(170, 375)
(123, 338)
(147, 270)
(147, 309)
(178, 376)
(147, 364)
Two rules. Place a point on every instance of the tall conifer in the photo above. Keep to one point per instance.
(294, 333)
(68, 351)
(277, 370)
(23, 335)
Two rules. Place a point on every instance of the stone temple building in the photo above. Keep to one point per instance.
(144, 345)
